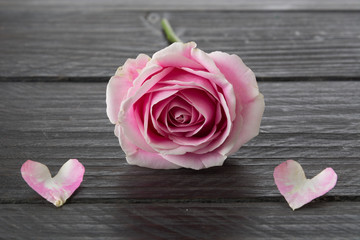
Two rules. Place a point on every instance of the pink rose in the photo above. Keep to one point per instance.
(183, 107)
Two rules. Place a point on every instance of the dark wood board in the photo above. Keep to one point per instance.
(195, 221)
(316, 123)
(56, 57)
(240, 5)
(51, 42)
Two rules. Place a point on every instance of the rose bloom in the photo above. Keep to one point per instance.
(183, 107)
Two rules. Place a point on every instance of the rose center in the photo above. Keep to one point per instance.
(180, 115)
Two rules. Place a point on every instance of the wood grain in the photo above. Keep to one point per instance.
(240, 5)
(315, 123)
(65, 42)
(180, 221)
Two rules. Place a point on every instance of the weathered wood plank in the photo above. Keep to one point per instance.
(316, 123)
(238, 179)
(66, 43)
(321, 220)
(186, 4)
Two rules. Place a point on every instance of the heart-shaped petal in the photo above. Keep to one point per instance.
(296, 188)
(57, 189)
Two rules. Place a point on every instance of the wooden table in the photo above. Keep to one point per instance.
(56, 57)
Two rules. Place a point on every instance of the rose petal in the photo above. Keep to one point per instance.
(197, 161)
(119, 85)
(176, 55)
(245, 127)
(116, 91)
(205, 60)
(137, 156)
(238, 74)
(127, 115)
(181, 79)
(221, 85)
(132, 67)
(58, 189)
(296, 188)
(250, 103)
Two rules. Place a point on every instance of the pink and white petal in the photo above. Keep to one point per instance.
(288, 175)
(146, 74)
(70, 175)
(35, 174)
(118, 85)
(176, 55)
(132, 67)
(137, 91)
(317, 186)
(137, 156)
(58, 189)
(246, 125)
(205, 60)
(238, 74)
(150, 160)
(116, 91)
(180, 78)
(197, 161)
(296, 188)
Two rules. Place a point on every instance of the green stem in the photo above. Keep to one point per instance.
(169, 32)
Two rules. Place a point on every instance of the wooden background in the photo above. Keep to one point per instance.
(55, 60)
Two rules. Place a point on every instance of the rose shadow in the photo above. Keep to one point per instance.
(230, 182)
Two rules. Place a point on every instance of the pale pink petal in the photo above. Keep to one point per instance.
(246, 125)
(182, 79)
(137, 156)
(144, 85)
(197, 161)
(238, 74)
(144, 76)
(150, 160)
(205, 60)
(132, 67)
(58, 189)
(116, 91)
(119, 84)
(176, 55)
(296, 188)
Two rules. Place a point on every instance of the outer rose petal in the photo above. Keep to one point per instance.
(58, 189)
(296, 188)
(119, 85)
(238, 74)
(250, 103)
(246, 125)
(197, 161)
(176, 55)
(137, 156)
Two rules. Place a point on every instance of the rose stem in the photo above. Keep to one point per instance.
(169, 32)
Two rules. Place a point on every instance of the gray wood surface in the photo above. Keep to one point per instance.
(315, 123)
(56, 57)
(89, 43)
(240, 5)
(181, 221)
